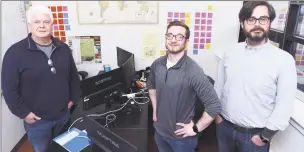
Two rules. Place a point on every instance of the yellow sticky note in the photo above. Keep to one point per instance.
(298, 57)
(283, 9)
(162, 52)
(209, 7)
(187, 22)
(188, 15)
(208, 46)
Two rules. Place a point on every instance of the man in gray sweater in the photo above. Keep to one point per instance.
(175, 83)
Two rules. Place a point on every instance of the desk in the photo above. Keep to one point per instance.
(132, 127)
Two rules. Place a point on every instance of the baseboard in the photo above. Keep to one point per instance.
(20, 143)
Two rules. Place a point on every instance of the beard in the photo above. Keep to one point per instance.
(256, 38)
(175, 49)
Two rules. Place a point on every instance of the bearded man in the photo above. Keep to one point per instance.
(256, 84)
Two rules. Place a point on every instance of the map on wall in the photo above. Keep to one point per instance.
(96, 12)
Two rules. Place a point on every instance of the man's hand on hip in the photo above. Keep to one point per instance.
(31, 118)
(187, 129)
(70, 104)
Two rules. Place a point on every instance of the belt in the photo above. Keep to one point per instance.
(243, 129)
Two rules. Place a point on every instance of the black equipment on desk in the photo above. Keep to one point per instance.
(125, 60)
(105, 139)
(94, 89)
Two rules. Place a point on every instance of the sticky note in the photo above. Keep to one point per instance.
(187, 22)
(195, 46)
(188, 15)
(65, 15)
(195, 52)
(162, 52)
(298, 58)
(67, 27)
(55, 27)
(209, 7)
(65, 21)
(208, 46)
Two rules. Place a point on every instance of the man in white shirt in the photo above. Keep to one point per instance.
(256, 84)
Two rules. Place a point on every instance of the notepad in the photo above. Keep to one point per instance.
(73, 141)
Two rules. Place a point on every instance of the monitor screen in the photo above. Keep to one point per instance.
(122, 56)
(125, 61)
(105, 139)
(94, 89)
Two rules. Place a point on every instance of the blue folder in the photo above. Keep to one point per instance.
(73, 141)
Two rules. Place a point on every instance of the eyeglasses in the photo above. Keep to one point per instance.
(50, 63)
(262, 20)
(45, 22)
(178, 37)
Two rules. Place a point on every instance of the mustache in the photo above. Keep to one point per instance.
(257, 29)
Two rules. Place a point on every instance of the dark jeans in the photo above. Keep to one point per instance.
(41, 133)
(164, 144)
(230, 140)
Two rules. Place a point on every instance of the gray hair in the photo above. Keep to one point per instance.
(38, 9)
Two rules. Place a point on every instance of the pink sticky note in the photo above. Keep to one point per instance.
(196, 34)
(195, 46)
(202, 40)
(176, 15)
(209, 28)
(182, 15)
(201, 46)
(64, 8)
(209, 15)
(169, 20)
(182, 20)
(55, 27)
(170, 14)
(203, 28)
(203, 34)
(208, 40)
(203, 21)
(209, 34)
(197, 14)
(196, 28)
(203, 15)
(195, 40)
(209, 22)
(197, 21)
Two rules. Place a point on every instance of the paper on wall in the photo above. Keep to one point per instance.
(150, 46)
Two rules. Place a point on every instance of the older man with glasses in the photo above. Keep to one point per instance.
(39, 80)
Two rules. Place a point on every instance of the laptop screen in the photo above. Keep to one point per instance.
(106, 139)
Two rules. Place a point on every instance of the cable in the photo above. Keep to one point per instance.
(114, 116)
(98, 115)
(108, 119)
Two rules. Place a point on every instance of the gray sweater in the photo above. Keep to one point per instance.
(177, 90)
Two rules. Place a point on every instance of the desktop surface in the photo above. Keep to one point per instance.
(133, 127)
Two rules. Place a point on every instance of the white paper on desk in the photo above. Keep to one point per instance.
(66, 138)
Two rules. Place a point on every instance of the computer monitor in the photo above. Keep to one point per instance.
(105, 139)
(94, 89)
(125, 60)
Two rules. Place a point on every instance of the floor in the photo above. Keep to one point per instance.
(207, 143)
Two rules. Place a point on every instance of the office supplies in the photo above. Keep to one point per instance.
(73, 140)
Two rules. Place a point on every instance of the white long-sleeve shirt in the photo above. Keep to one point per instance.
(257, 86)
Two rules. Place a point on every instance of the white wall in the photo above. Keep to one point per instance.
(13, 30)
(129, 36)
